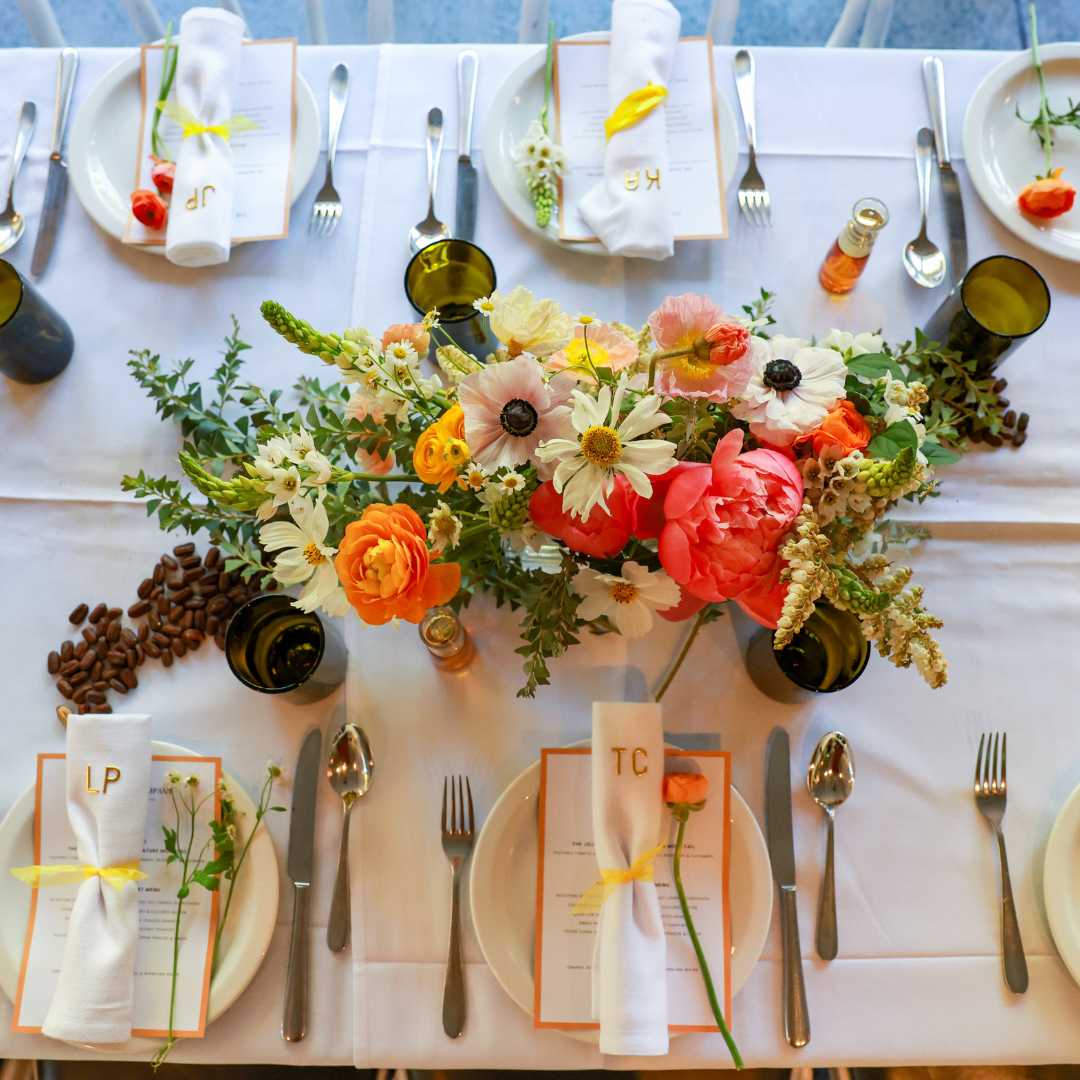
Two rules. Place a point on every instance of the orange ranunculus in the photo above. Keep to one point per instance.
(1048, 197)
(412, 334)
(385, 567)
(685, 789)
(844, 429)
(441, 451)
(148, 207)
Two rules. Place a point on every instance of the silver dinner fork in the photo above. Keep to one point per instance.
(326, 213)
(458, 832)
(990, 792)
(754, 201)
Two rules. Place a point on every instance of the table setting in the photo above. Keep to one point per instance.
(505, 605)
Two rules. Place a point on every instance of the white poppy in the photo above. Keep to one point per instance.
(305, 556)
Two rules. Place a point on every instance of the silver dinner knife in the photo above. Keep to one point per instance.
(468, 70)
(300, 868)
(934, 79)
(56, 185)
(778, 827)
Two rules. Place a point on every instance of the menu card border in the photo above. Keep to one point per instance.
(669, 752)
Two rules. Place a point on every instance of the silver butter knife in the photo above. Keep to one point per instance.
(778, 827)
(56, 185)
(301, 867)
(934, 79)
(468, 70)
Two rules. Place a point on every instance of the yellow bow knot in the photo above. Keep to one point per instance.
(190, 124)
(641, 869)
(634, 108)
(67, 874)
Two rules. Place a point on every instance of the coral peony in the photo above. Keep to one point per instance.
(1048, 197)
(385, 566)
(690, 789)
(413, 334)
(441, 450)
(603, 533)
(726, 519)
(843, 429)
(149, 208)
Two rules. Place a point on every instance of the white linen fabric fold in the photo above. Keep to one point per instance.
(201, 212)
(94, 994)
(629, 984)
(636, 222)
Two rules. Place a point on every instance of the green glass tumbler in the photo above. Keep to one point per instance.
(36, 343)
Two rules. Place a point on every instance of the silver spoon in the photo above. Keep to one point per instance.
(924, 260)
(349, 772)
(431, 228)
(12, 223)
(830, 780)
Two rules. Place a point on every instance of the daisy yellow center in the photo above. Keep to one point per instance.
(313, 555)
(622, 592)
(600, 446)
(578, 356)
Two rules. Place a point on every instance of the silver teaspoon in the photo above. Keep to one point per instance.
(431, 228)
(924, 260)
(12, 223)
(830, 780)
(349, 771)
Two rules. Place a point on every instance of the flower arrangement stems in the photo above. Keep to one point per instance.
(699, 622)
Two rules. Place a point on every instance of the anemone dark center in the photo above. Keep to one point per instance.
(518, 417)
(782, 375)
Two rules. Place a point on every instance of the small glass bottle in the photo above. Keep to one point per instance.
(446, 639)
(847, 257)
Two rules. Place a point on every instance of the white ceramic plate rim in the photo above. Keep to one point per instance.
(1059, 879)
(258, 896)
(503, 175)
(982, 101)
(525, 785)
(88, 172)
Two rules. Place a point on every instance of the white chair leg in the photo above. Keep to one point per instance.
(722, 18)
(144, 19)
(876, 27)
(533, 21)
(317, 22)
(42, 24)
(380, 21)
(847, 26)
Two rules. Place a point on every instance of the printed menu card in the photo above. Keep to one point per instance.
(262, 153)
(50, 906)
(566, 868)
(694, 173)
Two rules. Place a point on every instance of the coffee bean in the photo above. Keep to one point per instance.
(1019, 439)
(132, 658)
(100, 684)
(129, 637)
(129, 679)
(994, 440)
(213, 624)
(237, 594)
(90, 635)
(69, 667)
(176, 613)
(181, 595)
(1003, 402)
(53, 662)
(175, 580)
(188, 621)
(169, 562)
(101, 709)
(153, 620)
(80, 695)
(190, 562)
(115, 613)
(166, 657)
(158, 575)
(193, 636)
(78, 614)
(79, 678)
(80, 648)
(117, 657)
(224, 580)
(99, 610)
(1010, 418)
(160, 639)
(144, 588)
(112, 635)
(172, 629)
(999, 385)
(144, 631)
(109, 672)
(195, 603)
(207, 590)
(140, 654)
(97, 669)
(88, 661)
(155, 592)
(67, 649)
(162, 605)
(213, 557)
(96, 697)
(178, 646)
(1022, 423)
(219, 640)
(183, 549)
(199, 621)
(138, 609)
(65, 688)
(151, 649)
(217, 605)
(83, 710)
(118, 686)
(192, 574)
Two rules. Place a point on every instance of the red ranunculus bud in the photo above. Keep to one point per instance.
(149, 208)
(163, 173)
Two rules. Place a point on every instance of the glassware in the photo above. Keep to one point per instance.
(276, 648)
(446, 639)
(847, 257)
(1000, 301)
(828, 654)
(449, 275)
(35, 342)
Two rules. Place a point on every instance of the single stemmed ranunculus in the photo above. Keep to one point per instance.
(685, 793)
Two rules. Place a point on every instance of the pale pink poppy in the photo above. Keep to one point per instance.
(599, 343)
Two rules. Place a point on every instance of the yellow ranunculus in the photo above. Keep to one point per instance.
(441, 451)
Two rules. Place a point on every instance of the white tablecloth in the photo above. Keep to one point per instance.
(918, 976)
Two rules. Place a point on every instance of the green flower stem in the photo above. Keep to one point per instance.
(710, 990)
(168, 74)
(549, 65)
(1043, 123)
(375, 478)
(699, 622)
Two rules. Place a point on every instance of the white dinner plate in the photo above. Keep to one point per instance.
(516, 105)
(1003, 154)
(1061, 883)
(502, 889)
(103, 147)
(252, 917)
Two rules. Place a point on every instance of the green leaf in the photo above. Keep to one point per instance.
(892, 440)
(874, 365)
(206, 879)
(936, 454)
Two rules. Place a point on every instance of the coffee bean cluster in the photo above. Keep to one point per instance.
(186, 599)
(1014, 426)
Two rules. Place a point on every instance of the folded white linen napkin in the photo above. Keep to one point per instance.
(629, 209)
(201, 212)
(93, 999)
(629, 980)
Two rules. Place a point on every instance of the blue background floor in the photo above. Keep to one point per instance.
(939, 24)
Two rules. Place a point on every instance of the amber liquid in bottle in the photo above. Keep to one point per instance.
(847, 258)
(840, 271)
(447, 640)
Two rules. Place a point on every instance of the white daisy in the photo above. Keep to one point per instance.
(305, 555)
(485, 305)
(472, 478)
(605, 446)
(792, 386)
(628, 600)
(444, 528)
(401, 353)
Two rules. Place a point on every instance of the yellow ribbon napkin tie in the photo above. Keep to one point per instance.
(67, 874)
(641, 869)
(634, 108)
(190, 124)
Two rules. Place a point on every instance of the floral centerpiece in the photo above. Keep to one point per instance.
(590, 475)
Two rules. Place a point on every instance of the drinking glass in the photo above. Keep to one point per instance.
(35, 342)
(276, 648)
(1000, 301)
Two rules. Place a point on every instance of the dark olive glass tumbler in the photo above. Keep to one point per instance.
(36, 344)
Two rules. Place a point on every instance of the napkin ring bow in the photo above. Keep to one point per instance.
(641, 869)
(634, 108)
(66, 874)
(191, 125)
